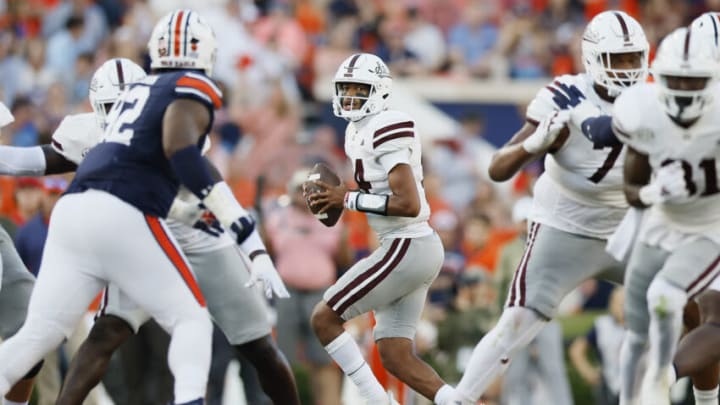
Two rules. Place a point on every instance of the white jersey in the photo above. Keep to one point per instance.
(581, 190)
(79, 133)
(641, 122)
(374, 145)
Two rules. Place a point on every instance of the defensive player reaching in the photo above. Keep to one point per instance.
(220, 270)
(385, 151)
(16, 284)
(578, 200)
(672, 130)
(124, 187)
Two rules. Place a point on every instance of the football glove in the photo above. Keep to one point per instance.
(546, 132)
(262, 271)
(669, 185)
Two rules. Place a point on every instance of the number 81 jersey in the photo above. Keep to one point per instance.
(130, 161)
(581, 190)
(640, 122)
(374, 146)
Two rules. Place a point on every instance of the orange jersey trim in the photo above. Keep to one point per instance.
(201, 86)
(175, 257)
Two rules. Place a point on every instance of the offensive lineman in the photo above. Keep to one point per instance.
(125, 186)
(385, 151)
(578, 201)
(220, 270)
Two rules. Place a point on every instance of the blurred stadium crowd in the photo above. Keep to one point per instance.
(272, 56)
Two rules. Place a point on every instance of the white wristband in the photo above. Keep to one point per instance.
(221, 202)
(351, 198)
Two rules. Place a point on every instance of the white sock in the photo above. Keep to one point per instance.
(444, 395)
(189, 357)
(515, 329)
(632, 349)
(9, 402)
(706, 397)
(346, 353)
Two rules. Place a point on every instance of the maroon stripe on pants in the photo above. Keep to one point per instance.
(704, 274)
(363, 291)
(519, 276)
(363, 276)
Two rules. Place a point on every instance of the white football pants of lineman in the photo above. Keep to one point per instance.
(95, 239)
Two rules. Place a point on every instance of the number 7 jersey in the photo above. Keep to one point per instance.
(581, 190)
(374, 145)
(130, 161)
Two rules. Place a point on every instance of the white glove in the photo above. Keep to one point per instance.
(669, 184)
(185, 212)
(262, 270)
(546, 132)
(586, 109)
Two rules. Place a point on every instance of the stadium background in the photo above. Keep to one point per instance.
(463, 68)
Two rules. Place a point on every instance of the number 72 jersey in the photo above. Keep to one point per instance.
(640, 122)
(130, 161)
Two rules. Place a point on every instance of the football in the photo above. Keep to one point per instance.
(323, 173)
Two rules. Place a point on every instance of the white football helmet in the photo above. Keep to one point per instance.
(614, 32)
(708, 24)
(367, 69)
(183, 40)
(685, 53)
(108, 82)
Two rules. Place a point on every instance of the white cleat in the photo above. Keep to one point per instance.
(655, 389)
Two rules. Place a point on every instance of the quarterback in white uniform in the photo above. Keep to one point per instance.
(578, 201)
(384, 149)
(222, 271)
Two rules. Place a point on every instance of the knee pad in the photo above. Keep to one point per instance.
(665, 299)
(33, 371)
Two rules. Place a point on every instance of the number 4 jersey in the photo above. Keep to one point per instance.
(640, 122)
(130, 162)
(581, 190)
(375, 145)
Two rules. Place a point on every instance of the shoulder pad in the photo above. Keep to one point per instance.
(629, 114)
(556, 95)
(200, 87)
(76, 134)
(394, 128)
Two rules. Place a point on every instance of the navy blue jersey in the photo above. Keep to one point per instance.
(130, 162)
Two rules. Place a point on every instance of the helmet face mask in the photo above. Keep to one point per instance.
(361, 87)
(353, 96)
(686, 69)
(108, 82)
(615, 51)
(183, 40)
(623, 70)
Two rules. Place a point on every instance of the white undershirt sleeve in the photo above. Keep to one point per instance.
(22, 161)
